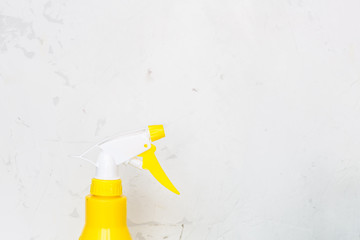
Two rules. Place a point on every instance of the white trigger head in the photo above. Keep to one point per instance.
(127, 146)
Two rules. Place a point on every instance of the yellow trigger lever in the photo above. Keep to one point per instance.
(151, 163)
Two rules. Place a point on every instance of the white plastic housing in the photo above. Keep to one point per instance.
(106, 167)
(121, 149)
(125, 147)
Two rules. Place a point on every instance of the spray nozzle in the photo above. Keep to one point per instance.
(135, 148)
(156, 132)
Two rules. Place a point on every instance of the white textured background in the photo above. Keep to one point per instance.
(261, 101)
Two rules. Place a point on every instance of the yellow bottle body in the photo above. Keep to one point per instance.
(105, 212)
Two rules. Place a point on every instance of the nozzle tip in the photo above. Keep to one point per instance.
(156, 132)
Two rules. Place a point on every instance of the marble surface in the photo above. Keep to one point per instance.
(260, 100)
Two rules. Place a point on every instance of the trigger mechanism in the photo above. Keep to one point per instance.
(147, 160)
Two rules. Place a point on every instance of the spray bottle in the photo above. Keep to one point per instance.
(106, 206)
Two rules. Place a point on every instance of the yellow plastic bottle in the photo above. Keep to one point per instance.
(106, 206)
(105, 212)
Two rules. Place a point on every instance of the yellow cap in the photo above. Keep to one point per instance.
(108, 188)
(156, 132)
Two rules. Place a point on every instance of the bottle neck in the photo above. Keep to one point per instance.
(105, 218)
